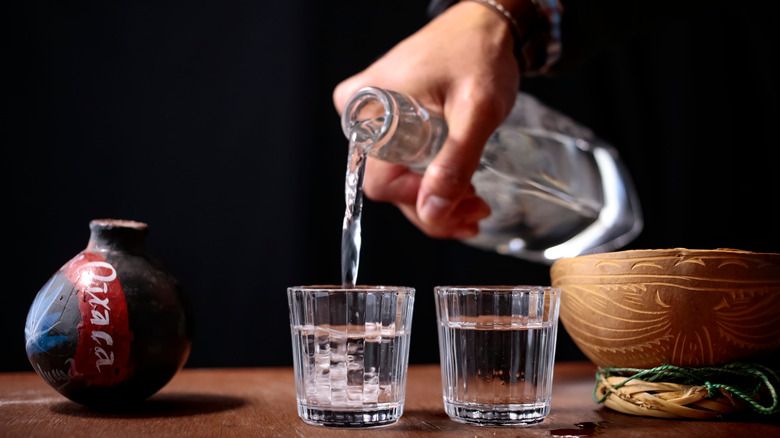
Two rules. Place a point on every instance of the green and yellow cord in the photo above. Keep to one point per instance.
(740, 381)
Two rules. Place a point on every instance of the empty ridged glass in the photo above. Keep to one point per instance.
(350, 351)
(497, 349)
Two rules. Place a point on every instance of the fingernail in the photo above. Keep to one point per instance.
(435, 208)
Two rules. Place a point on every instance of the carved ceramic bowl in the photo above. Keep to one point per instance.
(682, 307)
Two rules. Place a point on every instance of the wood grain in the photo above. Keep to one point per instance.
(260, 402)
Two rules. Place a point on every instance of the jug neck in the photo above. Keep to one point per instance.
(116, 235)
(393, 127)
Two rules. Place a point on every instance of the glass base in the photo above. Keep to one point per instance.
(335, 417)
(485, 414)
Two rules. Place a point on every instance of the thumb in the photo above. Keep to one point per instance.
(447, 180)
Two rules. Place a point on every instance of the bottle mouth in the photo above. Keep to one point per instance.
(117, 223)
(368, 117)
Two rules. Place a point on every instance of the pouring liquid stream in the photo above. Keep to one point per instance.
(361, 139)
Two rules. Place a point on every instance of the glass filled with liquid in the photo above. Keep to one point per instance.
(350, 351)
(497, 349)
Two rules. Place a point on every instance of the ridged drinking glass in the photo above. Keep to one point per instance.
(350, 350)
(497, 349)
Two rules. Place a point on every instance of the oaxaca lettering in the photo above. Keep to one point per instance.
(98, 284)
(103, 349)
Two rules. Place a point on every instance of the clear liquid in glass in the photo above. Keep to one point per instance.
(497, 375)
(350, 352)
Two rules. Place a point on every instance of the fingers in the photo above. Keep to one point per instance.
(460, 65)
(462, 224)
(385, 182)
(396, 185)
(447, 181)
(442, 203)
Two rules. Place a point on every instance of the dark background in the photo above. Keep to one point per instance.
(213, 123)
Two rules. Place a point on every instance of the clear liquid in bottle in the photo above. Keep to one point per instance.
(554, 189)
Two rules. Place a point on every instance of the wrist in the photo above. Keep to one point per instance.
(535, 26)
(488, 23)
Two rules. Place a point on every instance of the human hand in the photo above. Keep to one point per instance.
(460, 65)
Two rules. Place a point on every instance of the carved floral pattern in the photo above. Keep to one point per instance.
(682, 307)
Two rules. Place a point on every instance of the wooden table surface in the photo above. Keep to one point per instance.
(260, 402)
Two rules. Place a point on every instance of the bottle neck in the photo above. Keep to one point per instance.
(393, 127)
(116, 235)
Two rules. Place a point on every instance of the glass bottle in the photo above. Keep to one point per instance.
(555, 190)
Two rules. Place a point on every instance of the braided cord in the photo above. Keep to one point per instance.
(757, 377)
